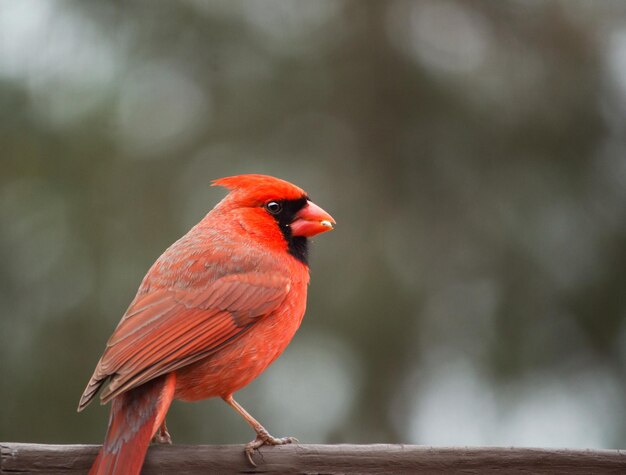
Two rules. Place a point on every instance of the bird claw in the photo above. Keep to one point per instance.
(162, 437)
(264, 438)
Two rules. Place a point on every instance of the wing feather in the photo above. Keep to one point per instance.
(166, 329)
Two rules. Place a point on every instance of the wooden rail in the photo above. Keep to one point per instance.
(18, 458)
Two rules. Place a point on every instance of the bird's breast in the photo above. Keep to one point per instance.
(239, 362)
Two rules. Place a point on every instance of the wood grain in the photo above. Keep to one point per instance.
(20, 458)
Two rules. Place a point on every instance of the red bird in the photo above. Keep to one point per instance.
(216, 309)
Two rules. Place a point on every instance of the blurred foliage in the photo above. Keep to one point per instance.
(472, 152)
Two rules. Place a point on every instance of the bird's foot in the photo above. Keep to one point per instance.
(264, 438)
(162, 436)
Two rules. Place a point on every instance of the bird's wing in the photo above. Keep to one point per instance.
(167, 329)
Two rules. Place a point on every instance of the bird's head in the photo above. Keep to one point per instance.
(273, 204)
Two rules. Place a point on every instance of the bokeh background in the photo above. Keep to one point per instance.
(473, 154)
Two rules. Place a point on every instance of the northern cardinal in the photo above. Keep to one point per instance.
(216, 309)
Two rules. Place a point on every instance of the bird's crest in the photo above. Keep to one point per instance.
(255, 188)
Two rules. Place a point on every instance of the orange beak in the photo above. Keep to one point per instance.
(311, 220)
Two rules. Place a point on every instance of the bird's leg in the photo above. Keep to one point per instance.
(162, 436)
(263, 437)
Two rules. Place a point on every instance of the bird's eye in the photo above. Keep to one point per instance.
(273, 207)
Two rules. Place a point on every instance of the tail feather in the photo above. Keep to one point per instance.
(135, 417)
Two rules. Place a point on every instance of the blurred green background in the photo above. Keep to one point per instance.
(473, 154)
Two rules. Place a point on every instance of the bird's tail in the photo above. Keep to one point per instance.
(135, 417)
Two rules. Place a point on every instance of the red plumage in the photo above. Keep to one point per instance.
(216, 309)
